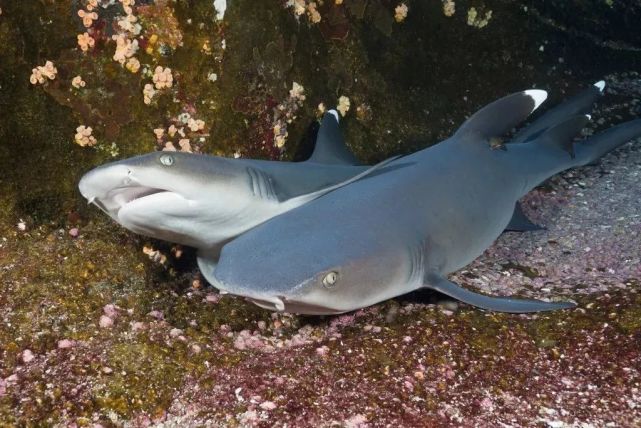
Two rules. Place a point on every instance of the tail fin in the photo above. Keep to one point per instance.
(593, 148)
(577, 105)
(502, 115)
(497, 304)
(330, 147)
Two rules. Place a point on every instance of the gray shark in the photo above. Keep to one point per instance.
(408, 228)
(204, 201)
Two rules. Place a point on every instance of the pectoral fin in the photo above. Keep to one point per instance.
(498, 304)
(303, 199)
(520, 222)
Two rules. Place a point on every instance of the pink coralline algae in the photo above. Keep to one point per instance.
(105, 322)
(27, 356)
(66, 344)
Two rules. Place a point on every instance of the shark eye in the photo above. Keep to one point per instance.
(330, 279)
(167, 160)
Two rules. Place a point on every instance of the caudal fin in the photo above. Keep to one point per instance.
(591, 149)
(579, 104)
(498, 304)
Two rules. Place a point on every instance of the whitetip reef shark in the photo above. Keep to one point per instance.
(204, 201)
(406, 229)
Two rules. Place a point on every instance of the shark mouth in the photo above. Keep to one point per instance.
(117, 198)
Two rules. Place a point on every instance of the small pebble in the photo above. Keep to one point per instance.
(66, 344)
(268, 405)
(212, 298)
(175, 332)
(74, 232)
(110, 310)
(27, 356)
(105, 321)
(322, 351)
(156, 314)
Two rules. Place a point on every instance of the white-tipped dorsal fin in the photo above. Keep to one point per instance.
(499, 117)
(330, 147)
(538, 95)
(600, 84)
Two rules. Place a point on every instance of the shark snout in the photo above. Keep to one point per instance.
(97, 183)
(265, 300)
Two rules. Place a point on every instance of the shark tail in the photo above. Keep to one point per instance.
(498, 304)
(591, 149)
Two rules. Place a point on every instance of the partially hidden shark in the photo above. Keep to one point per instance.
(204, 201)
(394, 232)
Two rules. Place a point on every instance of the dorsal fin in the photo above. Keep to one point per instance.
(562, 135)
(330, 146)
(581, 103)
(502, 115)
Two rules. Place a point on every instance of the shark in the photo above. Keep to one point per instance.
(204, 201)
(409, 228)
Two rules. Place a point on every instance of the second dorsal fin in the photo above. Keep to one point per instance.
(499, 117)
(330, 147)
(579, 104)
(563, 135)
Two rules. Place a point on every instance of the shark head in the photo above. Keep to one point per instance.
(304, 264)
(179, 197)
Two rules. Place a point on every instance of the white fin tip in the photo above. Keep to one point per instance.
(538, 95)
(589, 116)
(600, 84)
(335, 114)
